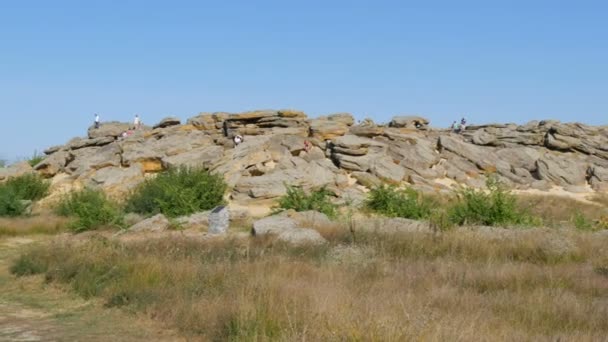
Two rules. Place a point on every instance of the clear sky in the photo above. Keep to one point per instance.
(492, 61)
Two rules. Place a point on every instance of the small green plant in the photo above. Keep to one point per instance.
(298, 200)
(91, 209)
(177, 192)
(581, 222)
(393, 202)
(17, 191)
(35, 159)
(497, 206)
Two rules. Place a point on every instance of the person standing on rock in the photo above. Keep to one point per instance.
(237, 140)
(463, 124)
(96, 120)
(137, 122)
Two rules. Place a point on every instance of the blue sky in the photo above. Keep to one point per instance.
(493, 61)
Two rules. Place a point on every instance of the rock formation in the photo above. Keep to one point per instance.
(344, 157)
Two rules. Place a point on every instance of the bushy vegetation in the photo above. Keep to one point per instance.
(298, 200)
(496, 206)
(394, 202)
(29, 186)
(91, 209)
(15, 192)
(177, 192)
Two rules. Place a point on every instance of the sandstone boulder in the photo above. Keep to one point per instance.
(168, 121)
(301, 237)
(324, 129)
(413, 122)
(154, 224)
(109, 129)
(561, 169)
(272, 225)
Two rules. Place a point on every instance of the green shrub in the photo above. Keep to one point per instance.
(497, 206)
(298, 200)
(35, 159)
(15, 192)
(393, 202)
(177, 192)
(10, 204)
(29, 186)
(91, 209)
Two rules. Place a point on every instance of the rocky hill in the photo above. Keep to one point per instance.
(345, 157)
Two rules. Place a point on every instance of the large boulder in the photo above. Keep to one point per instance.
(416, 154)
(563, 169)
(154, 224)
(410, 121)
(168, 121)
(273, 225)
(109, 129)
(483, 158)
(53, 164)
(385, 169)
(324, 129)
(116, 181)
(344, 118)
(200, 157)
(355, 153)
(93, 158)
(301, 237)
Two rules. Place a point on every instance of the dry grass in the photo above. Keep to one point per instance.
(39, 224)
(561, 211)
(458, 285)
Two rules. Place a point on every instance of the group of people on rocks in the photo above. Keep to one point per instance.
(459, 127)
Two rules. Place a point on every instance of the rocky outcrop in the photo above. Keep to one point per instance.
(284, 148)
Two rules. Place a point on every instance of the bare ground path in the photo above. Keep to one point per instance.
(31, 310)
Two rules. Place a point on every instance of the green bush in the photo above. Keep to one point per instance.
(497, 206)
(91, 209)
(393, 202)
(18, 190)
(10, 204)
(298, 200)
(29, 186)
(177, 192)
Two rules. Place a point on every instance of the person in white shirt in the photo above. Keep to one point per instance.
(96, 120)
(136, 121)
(237, 140)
